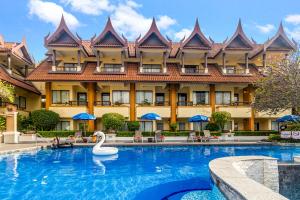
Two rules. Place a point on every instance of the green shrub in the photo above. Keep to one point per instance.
(254, 133)
(113, 121)
(24, 123)
(274, 137)
(2, 124)
(51, 134)
(212, 127)
(173, 127)
(44, 120)
(293, 127)
(133, 126)
(221, 118)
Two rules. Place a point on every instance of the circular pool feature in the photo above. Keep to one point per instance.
(76, 174)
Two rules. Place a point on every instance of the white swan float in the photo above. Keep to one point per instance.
(103, 151)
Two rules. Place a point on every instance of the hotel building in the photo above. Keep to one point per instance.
(176, 80)
(15, 64)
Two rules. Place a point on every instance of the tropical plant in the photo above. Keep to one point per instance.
(279, 89)
(133, 125)
(221, 118)
(44, 120)
(7, 92)
(113, 121)
(173, 127)
(212, 126)
(24, 123)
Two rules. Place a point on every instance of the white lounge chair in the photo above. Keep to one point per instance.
(137, 137)
(158, 137)
(207, 136)
(192, 137)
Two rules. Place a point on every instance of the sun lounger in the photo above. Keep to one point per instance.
(138, 137)
(207, 136)
(159, 137)
(192, 137)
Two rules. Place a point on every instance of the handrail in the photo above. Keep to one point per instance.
(36, 141)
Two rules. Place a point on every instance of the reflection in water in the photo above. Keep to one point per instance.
(98, 160)
(12, 164)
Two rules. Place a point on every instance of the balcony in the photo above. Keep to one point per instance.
(103, 107)
(112, 68)
(236, 109)
(193, 70)
(70, 103)
(151, 69)
(190, 111)
(162, 111)
(68, 111)
(233, 70)
(68, 68)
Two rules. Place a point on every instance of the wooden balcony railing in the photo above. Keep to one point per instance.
(71, 103)
(102, 103)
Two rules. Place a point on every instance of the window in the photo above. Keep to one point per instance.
(112, 68)
(181, 126)
(63, 126)
(200, 98)
(81, 98)
(120, 97)
(60, 96)
(230, 70)
(159, 99)
(190, 69)
(160, 126)
(22, 102)
(105, 97)
(198, 126)
(223, 98)
(275, 126)
(146, 126)
(68, 67)
(236, 97)
(144, 97)
(151, 68)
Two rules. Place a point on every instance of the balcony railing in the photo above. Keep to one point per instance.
(184, 103)
(111, 68)
(240, 103)
(161, 103)
(102, 103)
(234, 71)
(5, 104)
(149, 68)
(71, 103)
(68, 67)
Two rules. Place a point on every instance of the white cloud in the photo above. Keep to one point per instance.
(293, 19)
(51, 13)
(182, 33)
(129, 21)
(90, 7)
(265, 28)
(294, 33)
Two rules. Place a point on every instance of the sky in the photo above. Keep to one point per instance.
(34, 19)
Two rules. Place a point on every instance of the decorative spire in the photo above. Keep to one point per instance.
(114, 39)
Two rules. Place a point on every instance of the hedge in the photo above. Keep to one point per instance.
(254, 133)
(165, 133)
(51, 134)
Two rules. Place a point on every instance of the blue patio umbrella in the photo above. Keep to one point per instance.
(199, 118)
(151, 116)
(289, 118)
(84, 117)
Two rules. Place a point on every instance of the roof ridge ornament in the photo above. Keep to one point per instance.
(154, 30)
(248, 44)
(109, 29)
(61, 27)
(280, 33)
(206, 43)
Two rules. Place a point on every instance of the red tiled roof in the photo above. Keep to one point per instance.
(41, 73)
(87, 46)
(4, 75)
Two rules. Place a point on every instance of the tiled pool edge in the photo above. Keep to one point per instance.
(23, 150)
(232, 178)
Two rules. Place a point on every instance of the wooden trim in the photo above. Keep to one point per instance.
(212, 98)
(173, 103)
(132, 99)
(48, 91)
(91, 94)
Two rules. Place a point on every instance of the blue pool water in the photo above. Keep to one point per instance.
(135, 173)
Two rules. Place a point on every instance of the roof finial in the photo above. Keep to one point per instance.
(62, 20)
(108, 23)
(197, 27)
(239, 27)
(280, 29)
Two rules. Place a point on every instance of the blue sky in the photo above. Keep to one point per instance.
(218, 18)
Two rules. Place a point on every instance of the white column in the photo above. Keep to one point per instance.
(9, 64)
(205, 63)
(78, 60)
(141, 61)
(224, 63)
(247, 63)
(98, 61)
(54, 60)
(182, 63)
(122, 61)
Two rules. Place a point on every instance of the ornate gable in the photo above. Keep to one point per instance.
(280, 41)
(62, 36)
(197, 40)
(21, 51)
(239, 40)
(109, 37)
(153, 38)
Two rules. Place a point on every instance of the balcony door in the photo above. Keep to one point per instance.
(81, 98)
(159, 99)
(182, 99)
(105, 98)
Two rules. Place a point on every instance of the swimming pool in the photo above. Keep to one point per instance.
(173, 172)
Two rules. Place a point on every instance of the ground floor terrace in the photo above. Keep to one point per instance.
(174, 103)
